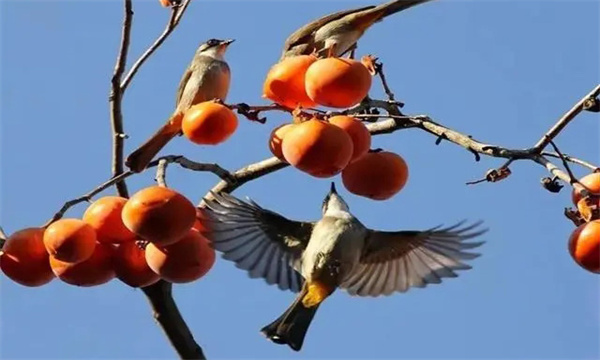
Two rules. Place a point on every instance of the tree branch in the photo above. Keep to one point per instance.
(566, 119)
(176, 14)
(114, 99)
(573, 160)
(169, 318)
(168, 159)
(3, 237)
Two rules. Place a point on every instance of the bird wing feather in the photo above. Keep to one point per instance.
(182, 83)
(258, 240)
(394, 261)
(308, 29)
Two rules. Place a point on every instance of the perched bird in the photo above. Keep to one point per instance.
(337, 251)
(206, 78)
(338, 33)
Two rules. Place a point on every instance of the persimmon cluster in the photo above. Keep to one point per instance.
(157, 233)
(326, 146)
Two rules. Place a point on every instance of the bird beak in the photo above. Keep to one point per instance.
(227, 42)
(332, 189)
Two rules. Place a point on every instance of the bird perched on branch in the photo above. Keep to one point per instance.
(206, 78)
(337, 33)
(338, 251)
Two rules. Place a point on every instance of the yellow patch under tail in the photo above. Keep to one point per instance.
(317, 292)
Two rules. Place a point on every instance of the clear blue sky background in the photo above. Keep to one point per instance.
(502, 71)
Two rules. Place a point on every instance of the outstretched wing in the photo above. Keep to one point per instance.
(397, 261)
(258, 240)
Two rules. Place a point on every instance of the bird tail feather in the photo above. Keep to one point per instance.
(291, 327)
(139, 159)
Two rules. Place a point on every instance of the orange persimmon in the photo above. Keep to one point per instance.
(209, 123)
(276, 140)
(376, 175)
(584, 246)
(96, 270)
(317, 148)
(159, 215)
(360, 135)
(591, 182)
(185, 261)
(337, 82)
(130, 266)
(70, 240)
(24, 258)
(104, 215)
(284, 84)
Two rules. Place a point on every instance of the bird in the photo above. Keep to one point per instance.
(206, 78)
(315, 258)
(337, 33)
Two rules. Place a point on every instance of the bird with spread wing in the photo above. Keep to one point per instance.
(337, 251)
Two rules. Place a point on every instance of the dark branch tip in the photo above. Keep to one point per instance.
(592, 105)
(551, 184)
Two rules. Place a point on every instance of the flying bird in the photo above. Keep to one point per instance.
(206, 78)
(337, 33)
(337, 251)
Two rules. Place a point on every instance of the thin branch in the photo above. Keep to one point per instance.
(177, 159)
(246, 174)
(252, 112)
(572, 178)
(169, 318)
(114, 99)
(565, 119)
(573, 160)
(395, 122)
(3, 237)
(87, 197)
(161, 172)
(558, 173)
(386, 88)
(176, 14)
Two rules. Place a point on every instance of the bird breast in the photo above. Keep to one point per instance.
(209, 80)
(335, 246)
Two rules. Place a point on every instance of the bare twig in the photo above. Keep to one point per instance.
(114, 100)
(176, 14)
(572, 178)
(565, 119)
(381, 74)
(3, 237)
(252, 112)
(87, 197)
(573, 160)
(159, 295)
(394, 122)
(493, 175)
(161, 172)
(169, 318)
(177, 159)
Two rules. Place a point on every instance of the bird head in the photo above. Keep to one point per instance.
(214, 48)
(333, 202)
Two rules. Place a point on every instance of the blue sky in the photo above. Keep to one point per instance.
(502, 71)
